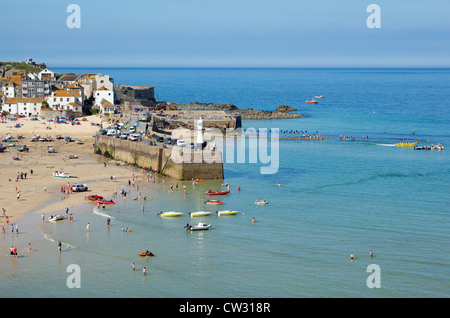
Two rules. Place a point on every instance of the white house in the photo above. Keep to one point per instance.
(23, 106)
(104, 81)
(65, 99)
(103, 94)
(45, 73)
(9, 90)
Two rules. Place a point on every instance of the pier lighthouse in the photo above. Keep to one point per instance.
(199, 131)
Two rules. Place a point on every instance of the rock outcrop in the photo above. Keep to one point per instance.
(281, 112)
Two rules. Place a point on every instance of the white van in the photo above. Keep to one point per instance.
(111, 132)
(181, 143)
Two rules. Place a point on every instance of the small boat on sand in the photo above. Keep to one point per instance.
(214, 202)
(61, 174)
(106, 201)
(226, 212)
(57, 217)
(170, 214)
(94, 197)
(217, 192)
(199, 227)
(199, 213)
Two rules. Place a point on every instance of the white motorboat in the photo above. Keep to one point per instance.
(199, 213)
(57, 217)
(170, 214)
(199, 227)
(61, 174)
(226, 212)
(261, 202)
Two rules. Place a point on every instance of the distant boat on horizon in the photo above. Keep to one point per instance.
(312, 101)
(319, 96)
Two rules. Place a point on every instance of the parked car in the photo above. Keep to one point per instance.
(124, 136)
(181, 143)
(135, 137)
(159, 139)
(78, 187)
(168, 140)
(111, 132)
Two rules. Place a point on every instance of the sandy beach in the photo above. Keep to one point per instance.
(39, 191)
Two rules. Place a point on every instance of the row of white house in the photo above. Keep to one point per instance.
(76, 89)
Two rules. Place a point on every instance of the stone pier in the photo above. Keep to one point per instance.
(197, 164)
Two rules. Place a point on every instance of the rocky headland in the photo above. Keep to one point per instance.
(281, 112)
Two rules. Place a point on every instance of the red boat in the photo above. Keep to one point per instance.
(215, 202)
(105, 201)
(94, 197)
(217, 192)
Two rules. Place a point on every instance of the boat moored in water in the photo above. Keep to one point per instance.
(214, 202)
(406, 144)
(226, 212)
(199, 213)
(170, 214)
(146, 253)
(199, 227)
(217, 192)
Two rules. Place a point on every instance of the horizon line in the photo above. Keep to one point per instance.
(260, 67)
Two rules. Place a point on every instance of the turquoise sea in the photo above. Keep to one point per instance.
(328, 199)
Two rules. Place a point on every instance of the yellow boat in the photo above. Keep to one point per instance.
(170, 214)
(226, 212)
(406, 144)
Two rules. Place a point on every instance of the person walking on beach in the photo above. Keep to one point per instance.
(87, 227)
(18, 196)
(59, 246)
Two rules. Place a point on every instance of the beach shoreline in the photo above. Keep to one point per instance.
(28, 186)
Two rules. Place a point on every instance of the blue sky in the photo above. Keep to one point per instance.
(227, 33)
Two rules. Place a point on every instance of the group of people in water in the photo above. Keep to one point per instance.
(351, 138)
(291, 133)
(352, 256)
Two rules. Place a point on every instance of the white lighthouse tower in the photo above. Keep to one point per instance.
(199, 129)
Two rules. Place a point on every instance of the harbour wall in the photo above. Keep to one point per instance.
(197, 164)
